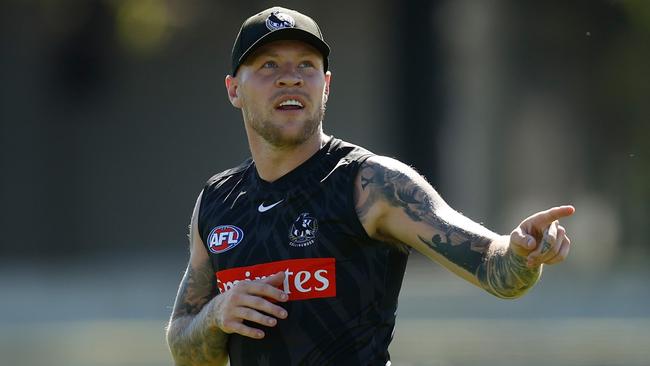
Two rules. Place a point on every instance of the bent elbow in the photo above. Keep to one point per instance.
(173, 338)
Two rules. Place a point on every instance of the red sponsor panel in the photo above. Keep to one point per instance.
(308, 278)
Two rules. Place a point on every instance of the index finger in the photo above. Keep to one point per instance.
(269, 287)
(546, 218)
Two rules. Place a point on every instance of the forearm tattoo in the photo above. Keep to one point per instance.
(498, 270)
(193, 336)
(505, 274)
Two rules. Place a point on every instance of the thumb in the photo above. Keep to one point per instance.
(523, 241)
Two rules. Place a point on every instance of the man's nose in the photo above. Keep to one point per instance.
(289, 77)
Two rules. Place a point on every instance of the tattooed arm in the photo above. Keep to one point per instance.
(193, 335)
(202, 319)
(395, 204)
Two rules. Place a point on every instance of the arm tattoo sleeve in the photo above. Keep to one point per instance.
(193, 336)
(505, 274)
(497, 269)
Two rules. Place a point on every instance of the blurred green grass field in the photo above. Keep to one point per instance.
(118, 319)
(440, 342)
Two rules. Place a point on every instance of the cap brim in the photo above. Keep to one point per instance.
(288, 34)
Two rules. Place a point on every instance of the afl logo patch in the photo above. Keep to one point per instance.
(223, 238)
(278, 20)
(303, 231)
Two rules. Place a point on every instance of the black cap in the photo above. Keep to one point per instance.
(276, 24)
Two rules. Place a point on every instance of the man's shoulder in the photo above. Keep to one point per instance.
(368, 161)
(221, 177)
(348, 150)
(389, 168)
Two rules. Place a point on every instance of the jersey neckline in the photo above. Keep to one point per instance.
(290, 179)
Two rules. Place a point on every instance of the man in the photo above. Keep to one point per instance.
(298, 254)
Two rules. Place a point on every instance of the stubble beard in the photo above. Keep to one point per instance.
(275, 136)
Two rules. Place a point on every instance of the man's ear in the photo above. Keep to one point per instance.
(232, 88)
(328, 78)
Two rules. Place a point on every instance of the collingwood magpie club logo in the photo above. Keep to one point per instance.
(278, 20)
(303, 231)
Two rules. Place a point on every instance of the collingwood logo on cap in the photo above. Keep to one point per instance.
(278, 20)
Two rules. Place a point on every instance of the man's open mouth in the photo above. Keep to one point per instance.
(290, 104)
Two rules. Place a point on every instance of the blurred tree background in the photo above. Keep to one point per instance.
(113, 114)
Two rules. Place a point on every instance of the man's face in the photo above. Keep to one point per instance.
(281, 90)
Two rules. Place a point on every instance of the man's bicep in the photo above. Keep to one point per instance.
(198, 285)
(396, 204)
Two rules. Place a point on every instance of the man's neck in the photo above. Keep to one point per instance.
(272, 163)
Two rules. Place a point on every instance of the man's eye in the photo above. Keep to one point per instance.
(305, 64)
(269, 65)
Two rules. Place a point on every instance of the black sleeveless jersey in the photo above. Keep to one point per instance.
(342, 285)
